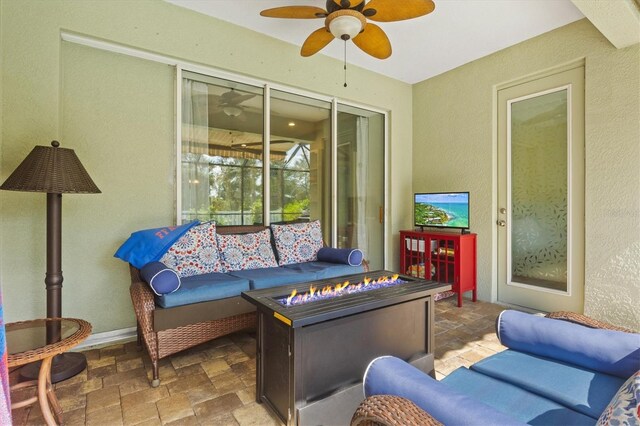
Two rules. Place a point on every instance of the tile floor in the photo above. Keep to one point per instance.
(214, 383)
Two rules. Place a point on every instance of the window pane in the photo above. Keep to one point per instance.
(221, 151)
(299, 155)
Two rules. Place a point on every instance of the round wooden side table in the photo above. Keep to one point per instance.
(27, 343)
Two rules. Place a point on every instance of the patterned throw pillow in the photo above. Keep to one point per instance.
(624, 408)
(298, 242)
(195, 253)
(246, 251)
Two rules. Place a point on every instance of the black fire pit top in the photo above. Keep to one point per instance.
(344, 305)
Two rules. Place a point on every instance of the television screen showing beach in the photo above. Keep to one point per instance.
(447, 210)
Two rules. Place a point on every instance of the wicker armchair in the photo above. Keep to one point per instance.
(383, 410)
(391, 410)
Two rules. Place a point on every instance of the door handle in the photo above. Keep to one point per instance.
(503, 210)
(502, 223)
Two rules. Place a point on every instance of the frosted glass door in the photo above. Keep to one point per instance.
(540, 218)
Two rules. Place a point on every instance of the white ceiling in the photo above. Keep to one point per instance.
(457, 32)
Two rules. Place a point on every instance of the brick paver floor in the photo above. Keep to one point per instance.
(214, 383)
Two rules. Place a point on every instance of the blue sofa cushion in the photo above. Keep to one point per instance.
(161, 279)
(273, 277)
(521, 404)
(607, 351)
(202, 288)
(149, 245)
(325, 270)
(392, 376)
(580, 389)
(347, 256)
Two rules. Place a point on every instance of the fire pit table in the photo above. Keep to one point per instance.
(315, 340)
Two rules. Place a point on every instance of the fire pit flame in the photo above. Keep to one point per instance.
(330, 291)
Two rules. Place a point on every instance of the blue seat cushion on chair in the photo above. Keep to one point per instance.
(202, 288)
(523, 405)
(607, 351)
(273, 277)
(325, 270)
(580, 389)
(389, 375)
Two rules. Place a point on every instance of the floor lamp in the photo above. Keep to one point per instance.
(56, 171)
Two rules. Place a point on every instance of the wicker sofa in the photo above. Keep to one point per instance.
(553, 372)
(167, 330)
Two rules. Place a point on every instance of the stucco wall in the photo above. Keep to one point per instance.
(40, 102)
(454, 150)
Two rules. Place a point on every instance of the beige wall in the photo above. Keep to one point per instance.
(454, 150)
(48, 93)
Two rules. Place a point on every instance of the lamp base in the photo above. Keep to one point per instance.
(63, 367)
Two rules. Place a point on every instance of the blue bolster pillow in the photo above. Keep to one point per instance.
(389, 375)
(347, 256)
(606, 351)
(161, 279)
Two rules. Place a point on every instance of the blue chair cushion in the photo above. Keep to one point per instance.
(607, 351)
(325, 270)
(521, 404)
(202, 288)
(273, 277)
(580, 389)
(161, 279)
(347, 256)
(389, 375)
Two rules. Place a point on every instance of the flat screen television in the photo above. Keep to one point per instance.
(441, 210)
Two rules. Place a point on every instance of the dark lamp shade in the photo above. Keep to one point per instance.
(53, 170)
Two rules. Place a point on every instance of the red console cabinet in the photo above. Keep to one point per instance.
(442, 257)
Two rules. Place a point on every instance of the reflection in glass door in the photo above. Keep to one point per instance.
(360, 182)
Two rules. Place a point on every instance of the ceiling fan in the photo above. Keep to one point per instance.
(229, 102)
(347, 20)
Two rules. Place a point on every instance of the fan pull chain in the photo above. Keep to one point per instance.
(345, 63)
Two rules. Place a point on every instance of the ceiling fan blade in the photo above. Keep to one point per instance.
(393, 10)
(274, 142)
(316, 41)
(233, 98)
(295, 12)
(346, 4)
(373, 41)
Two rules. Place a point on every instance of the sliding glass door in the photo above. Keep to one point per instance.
(221, 155)
(300, 136)
(360, 182)
(256, 155)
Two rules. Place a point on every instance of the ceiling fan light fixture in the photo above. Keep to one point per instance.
(232, 111)
(345, 24)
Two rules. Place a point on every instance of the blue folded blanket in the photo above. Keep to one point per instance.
(347, 256)
(149, 245)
